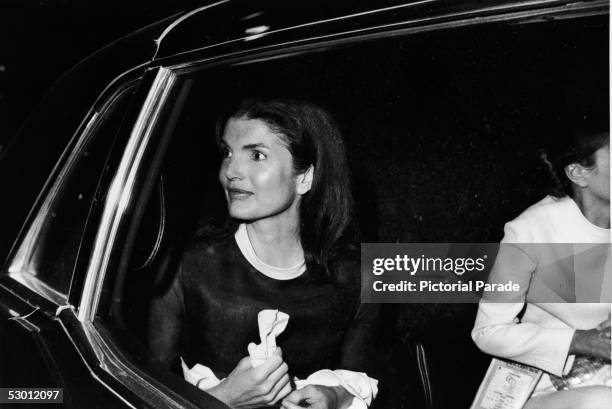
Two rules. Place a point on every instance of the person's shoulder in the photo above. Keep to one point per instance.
(207, 252)
(537, 219)
(545, 207)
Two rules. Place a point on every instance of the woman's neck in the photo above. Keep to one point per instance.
(276, 241)
(595, 210)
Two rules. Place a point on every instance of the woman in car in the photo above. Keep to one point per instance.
(569, 341)
(285, 178)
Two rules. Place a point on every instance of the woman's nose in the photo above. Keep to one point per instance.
(232, 169)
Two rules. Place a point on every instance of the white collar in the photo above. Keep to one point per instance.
(277, 273)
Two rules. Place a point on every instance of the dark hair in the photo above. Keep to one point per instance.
(575, 142)
(312, 137)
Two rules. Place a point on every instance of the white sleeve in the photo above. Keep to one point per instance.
(363, 388)
(497, 330)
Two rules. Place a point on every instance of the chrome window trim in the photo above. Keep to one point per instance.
(424, 24)
(463, 19)
(116, 366)
(107, 356)
(120, 192)
(19, 263)
(184, 17)
(179, 20)
(108, 359)
(96, 352)
(40, 287)
(26, 249)
(423, 366)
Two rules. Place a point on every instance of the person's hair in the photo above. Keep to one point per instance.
(312, 137)
(575, 141)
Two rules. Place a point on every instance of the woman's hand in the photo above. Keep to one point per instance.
(592, 342)
(248, 387)
(318, 397)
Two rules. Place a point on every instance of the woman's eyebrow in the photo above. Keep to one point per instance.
(254, 145)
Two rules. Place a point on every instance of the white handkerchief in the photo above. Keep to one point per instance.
(271, 324)
(200, 376)
(363, 388)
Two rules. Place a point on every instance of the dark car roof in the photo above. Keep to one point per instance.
(235, 23)
(30, 157)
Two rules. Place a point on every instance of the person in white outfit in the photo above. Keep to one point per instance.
(568, 341)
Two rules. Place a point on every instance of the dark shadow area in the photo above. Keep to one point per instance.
(41, 40)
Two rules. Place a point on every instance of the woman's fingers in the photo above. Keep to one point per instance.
(273, 363)
(281, 389)
(278, 373)
(276, 387)
(272, 379)
(296, 396)
(269, 381)
(271, 387)
(281, 371)
(246, 386)
(244, 364)
(289, 405)
(592, 342)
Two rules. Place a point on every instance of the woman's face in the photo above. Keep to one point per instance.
(257, 172)
(599, 175)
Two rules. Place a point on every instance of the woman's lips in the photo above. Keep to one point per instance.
(238, 194)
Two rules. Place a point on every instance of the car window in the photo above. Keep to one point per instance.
(442, 131)
(50, 247)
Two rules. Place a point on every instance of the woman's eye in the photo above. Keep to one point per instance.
(258, 156)
(226, 153)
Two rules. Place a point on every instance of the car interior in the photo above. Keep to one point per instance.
(442, 148)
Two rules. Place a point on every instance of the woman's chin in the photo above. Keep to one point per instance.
(241, 214)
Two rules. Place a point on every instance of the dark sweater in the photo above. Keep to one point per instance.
(209, 314)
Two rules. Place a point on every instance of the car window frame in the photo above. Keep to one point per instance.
(275, 44)
(31, 231)
(107, 240)
(104, 358)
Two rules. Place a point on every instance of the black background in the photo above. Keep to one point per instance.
(42, 39)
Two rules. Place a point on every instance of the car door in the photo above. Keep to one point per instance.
(35, 286)
(52, 282)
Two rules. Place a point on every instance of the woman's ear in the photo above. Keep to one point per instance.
(577, 174)
(304, 180)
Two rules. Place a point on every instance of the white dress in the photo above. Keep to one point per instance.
(542, 336)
